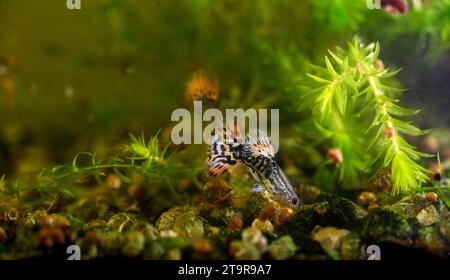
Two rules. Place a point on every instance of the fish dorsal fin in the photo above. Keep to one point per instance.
(231, 134)
(220, 156)
(259, 143)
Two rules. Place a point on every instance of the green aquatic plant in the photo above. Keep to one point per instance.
(338, 15)
(352, 101)
(137, 156)
(427, 23)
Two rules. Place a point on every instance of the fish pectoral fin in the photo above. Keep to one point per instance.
(255, 175)
(257, 188)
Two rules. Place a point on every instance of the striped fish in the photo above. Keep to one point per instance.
(256, 152)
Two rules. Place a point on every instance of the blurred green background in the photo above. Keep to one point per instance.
(77, 80)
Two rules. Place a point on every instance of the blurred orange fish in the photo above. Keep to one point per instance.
(202, 87)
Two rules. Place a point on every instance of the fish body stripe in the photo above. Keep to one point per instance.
(257, 155)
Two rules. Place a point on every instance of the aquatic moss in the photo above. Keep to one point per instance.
(282, 248)
(221, 216)
(384, 224)
(339, 212)
(351, 247)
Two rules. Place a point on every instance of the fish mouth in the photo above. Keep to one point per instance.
(290, 201)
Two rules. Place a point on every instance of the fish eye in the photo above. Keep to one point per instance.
(294, 201)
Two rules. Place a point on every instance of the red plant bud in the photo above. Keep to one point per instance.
(395, 6)
(335, 156)
(389, 132)
(378, 64)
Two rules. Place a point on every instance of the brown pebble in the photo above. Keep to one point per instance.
(206, 209)
(91, 236)
(71, 234)
(3, 217)
(137, 191)
(45, 237)
(366, 198)
(58, 236)
(198, 198)
(308, 194)
(202, 246)
(431, 196)
(13, 215)
(3, 235)
(286, 215)
(235, 223)
(61, 221)
(54, 220)
(113, 181)
(46, 221)
(431, 144)
(270, 212)
(435, 170)
(372, 207)
(218, 192)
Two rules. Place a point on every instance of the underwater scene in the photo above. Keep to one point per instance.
(225, 129)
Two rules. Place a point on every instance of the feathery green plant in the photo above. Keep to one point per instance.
(350, 89)
(145, 158)
(338, 15)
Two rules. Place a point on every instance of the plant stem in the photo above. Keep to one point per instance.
(96, 167)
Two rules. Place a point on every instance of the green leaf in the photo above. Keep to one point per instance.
(324, 100)
(340, 99)
(330, 67)
(407, 128)
(390, 154)
(406, 174)
(318, 79)
(396, 110)
(324, 131)
(336, 58)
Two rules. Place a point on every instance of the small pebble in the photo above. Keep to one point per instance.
(435, 170)
(286, 215)
(235, 223)
(366, 198)
(13, 215)
(270, 212)
(113, 181)
(372, 207)
(263, 225)
(431, 196)
(202, 246)
(428, 216)
(3, 235)
(330, 238)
